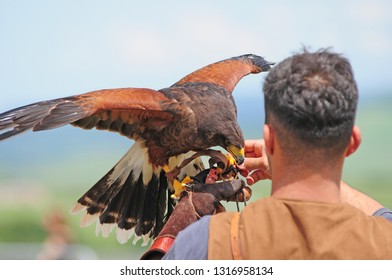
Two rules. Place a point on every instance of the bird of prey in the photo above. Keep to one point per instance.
(194, 114)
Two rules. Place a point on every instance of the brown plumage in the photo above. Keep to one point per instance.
(196, 113)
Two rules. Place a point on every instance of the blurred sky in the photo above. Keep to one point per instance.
(51, 49)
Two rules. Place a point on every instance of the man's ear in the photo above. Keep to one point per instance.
(269, 138)
(355, 141)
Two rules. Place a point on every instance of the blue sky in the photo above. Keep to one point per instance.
(52, 49)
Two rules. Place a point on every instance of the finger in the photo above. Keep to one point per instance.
(254, 163)
(249, 146)
(244, 172)
(250, 181)
(257, 176)
(254, 148)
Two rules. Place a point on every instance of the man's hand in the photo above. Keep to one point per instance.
(256, 161)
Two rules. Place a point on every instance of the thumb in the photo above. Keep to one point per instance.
(253, 163)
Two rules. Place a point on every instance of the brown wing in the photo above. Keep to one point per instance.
(111, 109)
(227, 73)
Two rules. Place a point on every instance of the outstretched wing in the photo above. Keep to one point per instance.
(110, 109)
(227, 73)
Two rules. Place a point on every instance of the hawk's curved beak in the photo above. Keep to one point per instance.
(237, 152)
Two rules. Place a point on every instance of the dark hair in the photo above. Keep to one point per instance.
(314, 97)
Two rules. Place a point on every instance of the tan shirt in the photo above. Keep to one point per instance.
(286, 229)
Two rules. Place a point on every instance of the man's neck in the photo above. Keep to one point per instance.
(311, 184)
(310, 189)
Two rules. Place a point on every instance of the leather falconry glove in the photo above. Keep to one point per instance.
(200, 199)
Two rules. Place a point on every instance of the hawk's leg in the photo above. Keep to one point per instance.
(178, 186)
(225, 170)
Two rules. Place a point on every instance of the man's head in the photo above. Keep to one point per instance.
(311, 101)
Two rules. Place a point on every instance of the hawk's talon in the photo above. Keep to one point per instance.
(229, 171)
(224, 170)
(179, 187)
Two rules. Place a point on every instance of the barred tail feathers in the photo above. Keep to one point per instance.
(117, 199)
(132, 196)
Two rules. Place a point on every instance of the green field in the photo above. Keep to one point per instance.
(34, 183)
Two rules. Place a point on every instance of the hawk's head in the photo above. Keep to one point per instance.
(228, 135)
(258, 62)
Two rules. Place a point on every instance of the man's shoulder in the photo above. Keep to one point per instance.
(385, 213)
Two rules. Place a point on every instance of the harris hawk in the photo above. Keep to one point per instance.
(194, 114)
